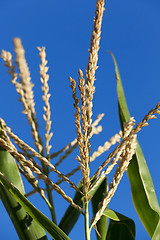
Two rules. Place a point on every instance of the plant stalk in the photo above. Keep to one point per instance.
(87, 230)
(49, 193)
(50, 198)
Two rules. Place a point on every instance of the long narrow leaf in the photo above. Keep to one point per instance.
(120, 226)
(25, 226)
(143, 192)
(55, 232)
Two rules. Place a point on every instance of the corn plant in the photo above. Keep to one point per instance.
(17, 158)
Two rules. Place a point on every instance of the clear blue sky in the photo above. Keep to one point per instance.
(131, 30)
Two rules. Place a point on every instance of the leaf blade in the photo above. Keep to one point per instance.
(120, 226)
(25, 226)
(55, 232)
(142, 188)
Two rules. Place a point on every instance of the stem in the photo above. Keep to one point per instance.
(49, 194)
(50, 198)
(87, 230)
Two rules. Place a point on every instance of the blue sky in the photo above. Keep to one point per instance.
(131, 30)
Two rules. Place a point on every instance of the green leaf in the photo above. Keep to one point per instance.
(55, 232)
(25, 226)
(120, 226)
(143, 192)
(97, 198)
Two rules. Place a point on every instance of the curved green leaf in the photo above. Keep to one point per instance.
(55, 232)
(97, 198)
(25, 226)
(143, 192)
(156, 234)
(120, 226)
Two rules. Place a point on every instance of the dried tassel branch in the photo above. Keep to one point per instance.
(128, 126)
(66, 154)
(87, 92)
(117, 150)
(29, 156)
(123, 165)
(21, 159)
(83, 111)
(80, 138)
(69, 174)
(101, 149)
(24, 89)
(45, 97)
(24, 152)
(24, 74)
(129, 146)
(86, 133)
(95, 130)
(39, 190)
(72, 145)
(83, 138)
(144, 123)
(66, 148)
(27, 172)
(20, 143)
(93, 58)
(7, 57)
(118, 156)
(98, 119)
(77, 117)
